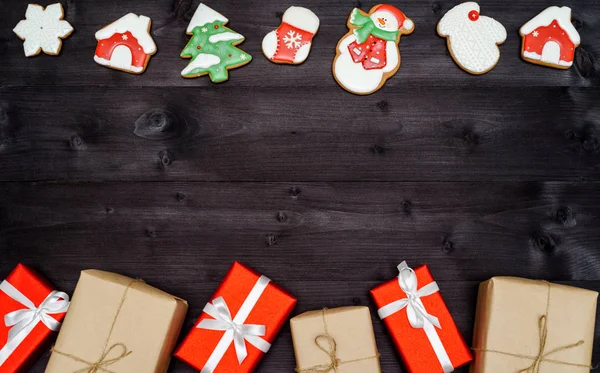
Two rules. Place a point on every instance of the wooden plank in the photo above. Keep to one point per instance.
(425, 59)
(466, 231)
(299, 135)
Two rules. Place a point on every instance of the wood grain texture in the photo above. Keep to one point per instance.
(429, 134)
(171, 179)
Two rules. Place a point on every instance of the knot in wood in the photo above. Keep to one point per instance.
(157, 125)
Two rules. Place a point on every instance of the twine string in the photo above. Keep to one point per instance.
(542, 355)
(326, 343)
(103, 362)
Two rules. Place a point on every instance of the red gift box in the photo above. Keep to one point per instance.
(244, 317)
(29, 306)
(419, 322)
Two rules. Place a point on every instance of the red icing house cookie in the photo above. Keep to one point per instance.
(126, 44)
(550, 39)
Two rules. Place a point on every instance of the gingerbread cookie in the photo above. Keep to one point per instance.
(212, 46)
(126, 44)
(368, 55)
(42, 29)
(472, 39)
(291, 42)
(550, 39)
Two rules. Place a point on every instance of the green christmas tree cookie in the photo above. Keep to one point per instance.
(212, 46)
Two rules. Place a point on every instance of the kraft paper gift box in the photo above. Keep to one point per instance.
(117, 325)
(339, 340)
(533, 326)
(238, 326)
(30, 314)
(417, 319)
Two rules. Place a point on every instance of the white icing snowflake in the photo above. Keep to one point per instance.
(243, 57)
(292, 39)
(124, 37)
(535, 34)
(204, 29)
(43, 29)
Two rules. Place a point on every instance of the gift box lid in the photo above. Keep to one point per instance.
(508, 321)
(144, 320)
(352, 330)
(36, 288)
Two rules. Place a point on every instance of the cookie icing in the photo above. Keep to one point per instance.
(368, 55)
(42, 29)
(473, 39)
(550, 38)
(125, 44)
(292, 41)
(212, 46)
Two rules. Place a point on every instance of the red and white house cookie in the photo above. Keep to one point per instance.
(291, 42)
(126, 44)
(550, 38)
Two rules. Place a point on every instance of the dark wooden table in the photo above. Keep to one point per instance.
(170, 180)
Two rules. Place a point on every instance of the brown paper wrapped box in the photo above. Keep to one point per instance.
(117, 325)
(340, 339)
(516, 316)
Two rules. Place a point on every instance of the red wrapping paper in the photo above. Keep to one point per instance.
(272, 310)
(412, 344)
(36, 288)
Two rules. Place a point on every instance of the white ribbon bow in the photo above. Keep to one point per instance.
(236, 331)
(418, 316)
(23, 321)
(415, 309)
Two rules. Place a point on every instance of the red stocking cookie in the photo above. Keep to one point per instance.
(126, 44)
(291, 42)
(550, 39)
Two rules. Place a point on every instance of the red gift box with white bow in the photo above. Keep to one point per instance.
(238, 326)
(31, 312)
(419, 322)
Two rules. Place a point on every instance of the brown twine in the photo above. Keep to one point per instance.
(103, 362)
(542, 356)
(331, 351)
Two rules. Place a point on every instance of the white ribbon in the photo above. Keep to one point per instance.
(416, 312)
(23, 321)
(236, 331)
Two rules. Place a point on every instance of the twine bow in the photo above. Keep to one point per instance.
(542, 356)
(331, 350)
(103, 362)
(22, 322)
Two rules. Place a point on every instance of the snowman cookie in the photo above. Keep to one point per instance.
(550, 39)
(368, 55)
(472, 39)
(126, 44)
(42, 29)
(292, 40)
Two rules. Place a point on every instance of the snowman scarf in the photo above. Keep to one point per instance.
(367, 27)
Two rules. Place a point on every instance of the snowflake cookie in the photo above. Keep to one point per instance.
(42, 29)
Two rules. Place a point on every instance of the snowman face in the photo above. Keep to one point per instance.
(385, 20)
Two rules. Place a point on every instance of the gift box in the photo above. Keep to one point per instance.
(419, 322)
(30, 314)
(339, 340)
(533, 326)
(117, 325)
(239, 324)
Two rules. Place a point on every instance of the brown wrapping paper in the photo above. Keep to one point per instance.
(351, 347)
(507, 324)
(144, 320)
